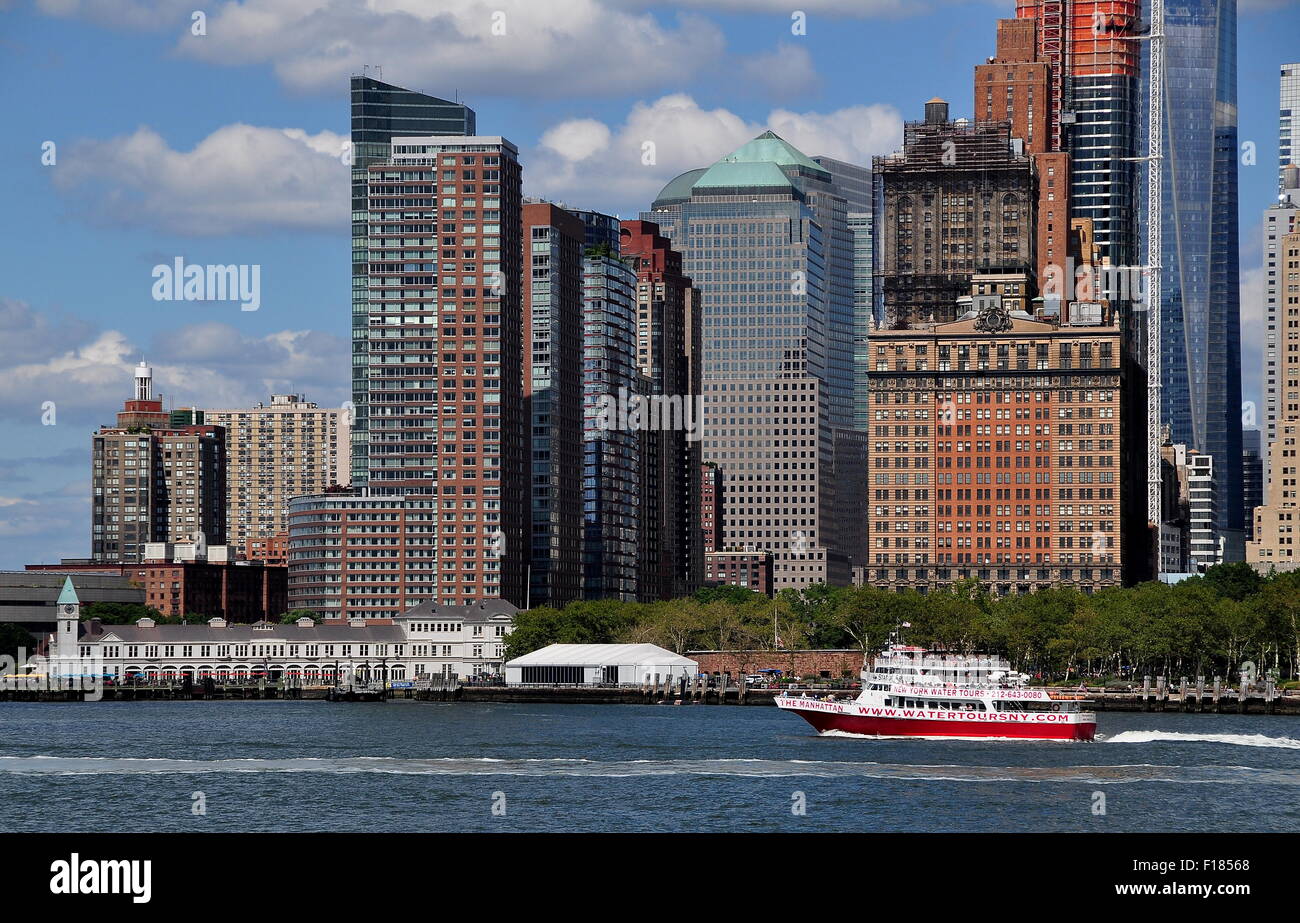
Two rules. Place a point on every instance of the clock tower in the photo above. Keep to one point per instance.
(69, 615)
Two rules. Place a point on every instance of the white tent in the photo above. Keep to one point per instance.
(589, 664)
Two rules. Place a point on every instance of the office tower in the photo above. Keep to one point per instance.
(443, 372)
(381, 112)
(1009, 430)
(711, 509)
(1274, 529)
(1093, 110)
(1015, 86)
(274, 452)
(152, 482)
(1200, 309)
(854, 183)
(1252, 479)
(668, 342)
(553, 376)
(1288, 134)
(613, 563)
(777, 351)
(1280, 219)
(959, 198)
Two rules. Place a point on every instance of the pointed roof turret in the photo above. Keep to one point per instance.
(67, 594)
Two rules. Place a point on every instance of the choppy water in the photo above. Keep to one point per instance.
(417, 766)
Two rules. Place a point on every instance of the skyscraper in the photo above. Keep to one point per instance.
(614, 452)
(1288, 132)
(854, 183)
(381, 112)
(764, 236)
(959, 198)
(1200, 300)
(274, 452)
(668, 338)
(1280, 219)
(441, 373)
(1092, 110)
(553, 376)
(154, 482)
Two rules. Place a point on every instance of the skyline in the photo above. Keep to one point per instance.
(138, 186)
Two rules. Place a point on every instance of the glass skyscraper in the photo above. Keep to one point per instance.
(381, 112)
(765, 237)
(1200, 302)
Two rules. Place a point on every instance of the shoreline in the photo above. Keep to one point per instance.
(1226, 702)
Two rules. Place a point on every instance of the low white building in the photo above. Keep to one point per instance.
(599, 664)
(428, 640)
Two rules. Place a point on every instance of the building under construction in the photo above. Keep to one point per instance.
(958, 199)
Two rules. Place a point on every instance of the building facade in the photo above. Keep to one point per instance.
(1281, 339)
(777, 361)
(668, 344)
(959, 198)
(1276, 519)
(1200, 295)
(381, 112)
(287, 448)
(614, 452)
(151, 482)
(443, 367)
(1288, 123)
(446, 642)
(749, 569)
(712, 491)
(995, 452)
(553, 376)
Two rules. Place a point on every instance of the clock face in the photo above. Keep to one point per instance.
(69, 609)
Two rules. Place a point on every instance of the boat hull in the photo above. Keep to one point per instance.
(1050, 727)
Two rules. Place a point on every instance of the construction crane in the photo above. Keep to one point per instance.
(1155, 37)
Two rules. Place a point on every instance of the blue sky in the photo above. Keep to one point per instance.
(227, 147)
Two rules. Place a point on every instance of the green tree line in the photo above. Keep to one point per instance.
(1206, 625)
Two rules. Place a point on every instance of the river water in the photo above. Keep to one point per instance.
(413, 766)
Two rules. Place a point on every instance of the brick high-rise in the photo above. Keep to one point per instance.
(668, 353)
(152, 482)
(443, 375)
(996, 451)
(381, 112)
(274, 452)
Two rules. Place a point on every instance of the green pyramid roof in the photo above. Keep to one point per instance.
(759, 163)
(67, 594)
(769, 147)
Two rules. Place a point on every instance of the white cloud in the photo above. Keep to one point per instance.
(489, 46)
(239, 179)
(685, 136)
(209, 364)
(577, 139)
(856, 9)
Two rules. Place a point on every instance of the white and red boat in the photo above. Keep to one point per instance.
(915, 692)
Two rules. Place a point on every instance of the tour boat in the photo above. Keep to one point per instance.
(915, 692)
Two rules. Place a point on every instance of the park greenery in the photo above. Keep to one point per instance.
(1204, 626)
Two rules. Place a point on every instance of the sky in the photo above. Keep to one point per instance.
(137, 132)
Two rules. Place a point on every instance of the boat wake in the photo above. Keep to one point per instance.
(742, 768)
(1240, 740)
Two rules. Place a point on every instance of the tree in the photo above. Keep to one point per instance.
(14, 638)
(293, 615)
(119, 613)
